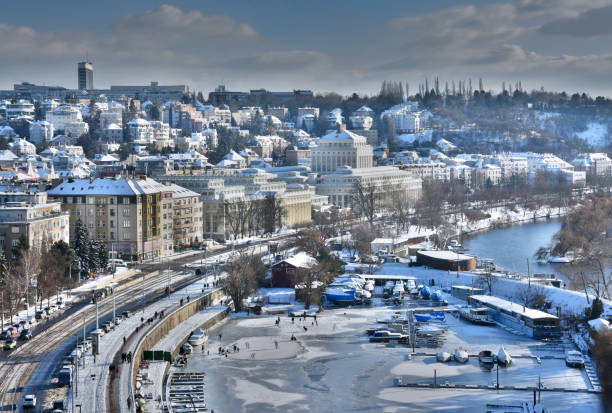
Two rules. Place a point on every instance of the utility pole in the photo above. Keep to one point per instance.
(97, 322)
(83, 319)
(114, 316)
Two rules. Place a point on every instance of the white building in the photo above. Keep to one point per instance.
(140, 130)
(21, 108)
(406, 117)
(63, 115)
(113, 133)
(76, 129)
(340, 186)
(40, 131)
(594, 164)
(341, 148)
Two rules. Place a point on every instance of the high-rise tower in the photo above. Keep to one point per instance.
(85, 75)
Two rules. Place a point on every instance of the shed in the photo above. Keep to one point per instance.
(284, 273)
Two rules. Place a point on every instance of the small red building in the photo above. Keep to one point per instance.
(285, 272)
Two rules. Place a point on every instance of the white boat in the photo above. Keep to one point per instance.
(444, 356)
(461, 356)
(478, 315)
(198, 339)
(503, 357)
(560, 260)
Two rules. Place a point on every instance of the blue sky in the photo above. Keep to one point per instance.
(346, 46)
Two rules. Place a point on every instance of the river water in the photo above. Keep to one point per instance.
(512, 246)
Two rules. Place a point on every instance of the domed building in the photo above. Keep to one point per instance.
(341, 148)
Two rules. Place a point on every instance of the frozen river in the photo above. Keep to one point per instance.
(333, 367)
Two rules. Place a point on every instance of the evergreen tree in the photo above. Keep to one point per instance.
(597, 308)
(102, 253)
(81, 244)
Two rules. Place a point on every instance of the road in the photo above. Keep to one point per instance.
(29, 367)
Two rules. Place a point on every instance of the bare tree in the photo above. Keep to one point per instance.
(27, 268)
(602, 352)
(487, 280)
(444, 233)
(241, 280)
(532, 296)
(366, 201)
(310, 278)
(310, 241)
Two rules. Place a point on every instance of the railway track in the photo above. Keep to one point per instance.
(19, 365)
(20, 362)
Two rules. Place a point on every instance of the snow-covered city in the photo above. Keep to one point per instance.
(291, 207)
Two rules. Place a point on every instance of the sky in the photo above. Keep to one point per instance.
(323, 45)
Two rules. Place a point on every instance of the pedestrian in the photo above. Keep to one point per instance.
(226, 355)
(316, 322)
(94, 359)
(292, 320)
(276, 344)
(208, 352)
(315, 317)
(142, 319)
(129, 402)
(305, 328)
(124, 340)
(202, 348)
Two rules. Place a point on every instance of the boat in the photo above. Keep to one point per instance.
(340, 294)
(385, 336)
(425, 292)
(444, 356)
(436, 295)
(198, 339)
(423, 318)
(503, 357)
(478, 315)
(486, 359)
(461, 356)
(559, 260)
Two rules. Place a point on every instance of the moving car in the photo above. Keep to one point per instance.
(29, 401)
(10, 344)
(59, 406)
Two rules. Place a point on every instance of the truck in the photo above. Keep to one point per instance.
(64, 377)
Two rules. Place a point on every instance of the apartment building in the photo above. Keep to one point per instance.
(124, 213)
(28, 216)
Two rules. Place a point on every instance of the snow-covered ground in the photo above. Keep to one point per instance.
(569, 301)
(93, 378)
(595, 134)
(332, 366)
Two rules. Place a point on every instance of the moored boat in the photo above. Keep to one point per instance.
(444, 356)
(461, 356)
(478, 315)
(486, 359)
(503, 357)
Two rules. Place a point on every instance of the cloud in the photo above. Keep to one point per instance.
(171, 25)
(594, 22)
(278, 61)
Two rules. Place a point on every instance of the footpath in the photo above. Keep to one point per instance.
(90, 389)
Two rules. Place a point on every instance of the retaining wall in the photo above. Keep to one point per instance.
(171, 321)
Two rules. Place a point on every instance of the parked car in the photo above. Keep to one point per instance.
(59, 406)
(10, 344)
(187, 348)
(126, 314)
(29, 401)
(40, 315)
(117, 320)
(25, 334)
(10, 332)
(574, 358)
(18, 326)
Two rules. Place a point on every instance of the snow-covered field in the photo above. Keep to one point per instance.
(332, 367)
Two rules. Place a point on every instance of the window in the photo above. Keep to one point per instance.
(15, 230)
(126, 200)
(126, 212)
(15, 243)
(112, 212)
(126, 223)
(112, 235)
(126, 235)
(112, 224)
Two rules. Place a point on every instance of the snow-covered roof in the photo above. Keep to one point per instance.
(101, 186)
(599, 325)
(446, 255)
(301, 260)
(343, 135)
(512, 307)
(233, 156)
(112, 126)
